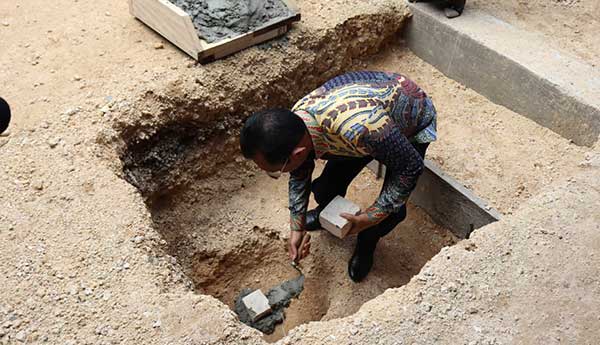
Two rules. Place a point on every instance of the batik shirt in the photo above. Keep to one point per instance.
(362, 114)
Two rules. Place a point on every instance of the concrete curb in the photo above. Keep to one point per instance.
(511, 67)
(450, 204)
(447, 201)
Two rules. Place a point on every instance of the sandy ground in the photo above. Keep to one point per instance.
(78, 250)
(66, 54)
(83, 260)
(502, 156)
(571, 25)
(207, 243)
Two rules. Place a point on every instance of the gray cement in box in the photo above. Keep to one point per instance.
(511, 67)
(216, 20)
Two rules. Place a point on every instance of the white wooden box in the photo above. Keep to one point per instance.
(176, 25)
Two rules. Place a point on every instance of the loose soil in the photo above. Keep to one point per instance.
(571, 25)
(231, 233)
(85, 262)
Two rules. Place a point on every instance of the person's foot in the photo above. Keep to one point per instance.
(452, 12)
(312, 220)
(361, 262)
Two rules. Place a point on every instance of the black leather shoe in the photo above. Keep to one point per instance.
(361, 262)
(312, 220)
(452, 12)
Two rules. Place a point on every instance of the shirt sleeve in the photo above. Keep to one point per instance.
(376, 134)
(403, 164)
(299, 193)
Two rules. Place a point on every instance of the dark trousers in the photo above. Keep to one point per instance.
(335, 179)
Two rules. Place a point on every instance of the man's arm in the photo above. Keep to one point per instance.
(299, 193)
(404, 165)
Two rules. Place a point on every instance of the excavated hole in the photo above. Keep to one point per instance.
(228, 229)
(227, 223)
(229, 232)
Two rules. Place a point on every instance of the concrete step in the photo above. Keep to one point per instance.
(512, 67)
(447, 201)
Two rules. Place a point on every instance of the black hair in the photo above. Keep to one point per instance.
(272, 132)
(4, 115)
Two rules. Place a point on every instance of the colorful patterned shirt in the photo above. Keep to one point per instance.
(362, 114)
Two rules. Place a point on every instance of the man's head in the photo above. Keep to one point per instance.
(4, 115)
(276, 140)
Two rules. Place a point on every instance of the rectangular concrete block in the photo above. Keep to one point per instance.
(512, 67)
(257, 305)
(450, 204)
(332, 221)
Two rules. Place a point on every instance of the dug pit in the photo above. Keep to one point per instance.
(216, 20)
(227, 223)
(229, 232)
(228, 226)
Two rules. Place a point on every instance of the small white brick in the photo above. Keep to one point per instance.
(332, 221)
(257, 304)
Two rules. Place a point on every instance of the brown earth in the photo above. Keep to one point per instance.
(242, 243)
(504, 157)
(570, 25)
(87, 258)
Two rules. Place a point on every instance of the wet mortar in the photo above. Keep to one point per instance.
(279, 296)
(216, 20)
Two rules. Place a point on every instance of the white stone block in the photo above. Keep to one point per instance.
(332, 221)
(257, 305)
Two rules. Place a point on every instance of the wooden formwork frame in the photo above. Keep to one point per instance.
(176, 25)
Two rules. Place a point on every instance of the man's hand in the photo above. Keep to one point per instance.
(359, 223)
(299, 245)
